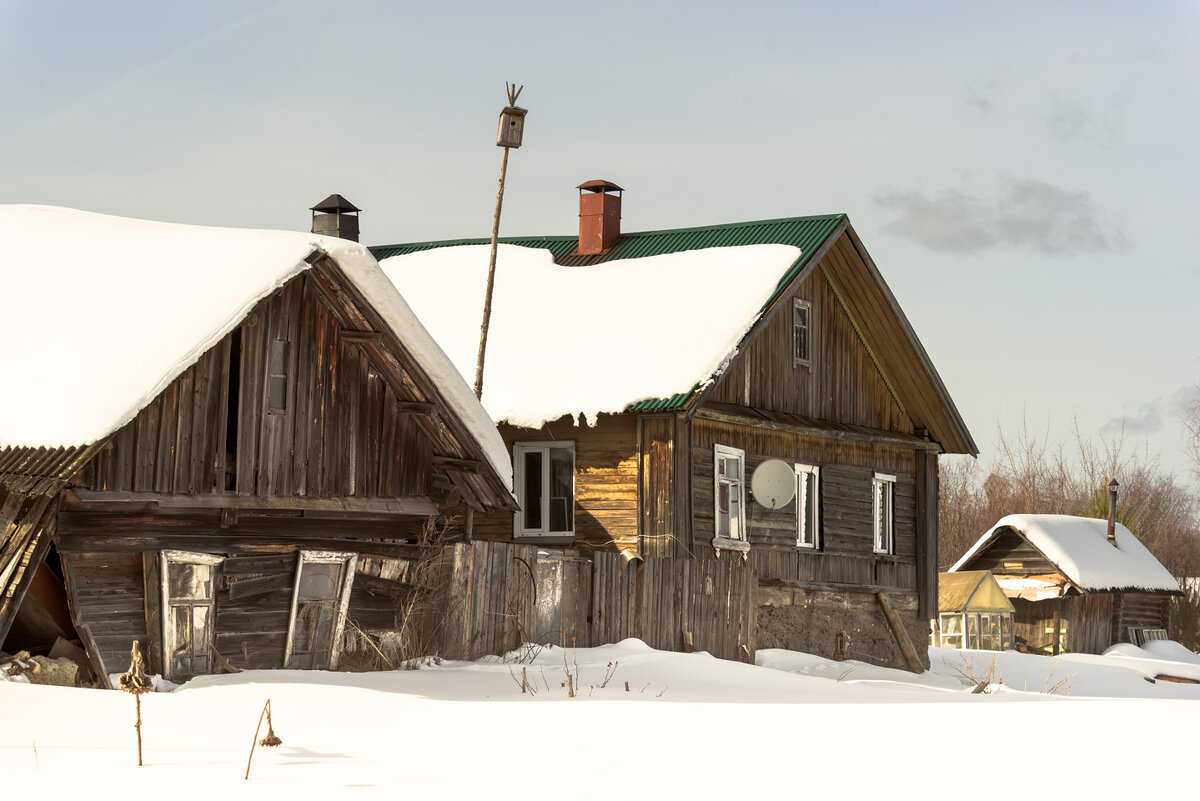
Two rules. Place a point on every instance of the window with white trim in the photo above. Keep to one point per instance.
(883, 512)
(188, 608)
(544, 481)
(801, 333)
(319, 600)
(808, 506)
(729, 472)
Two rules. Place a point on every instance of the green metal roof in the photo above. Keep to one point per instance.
(806, 233)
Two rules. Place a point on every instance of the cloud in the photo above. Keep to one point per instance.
(1028, 214)
(1149, 417)
(977, 98)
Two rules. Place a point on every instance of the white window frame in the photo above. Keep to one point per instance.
(165, 559)
(805, 359)
(737, 539)
(519, 451)
(809, 540)
(883, 491)
(350, 560)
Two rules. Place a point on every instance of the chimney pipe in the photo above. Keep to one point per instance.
(336, 216)
(1112, 511)
(599, 216)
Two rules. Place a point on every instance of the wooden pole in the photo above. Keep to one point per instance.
(487, 298)
(901, 636)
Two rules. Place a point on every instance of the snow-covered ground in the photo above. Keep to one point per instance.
(664, 725)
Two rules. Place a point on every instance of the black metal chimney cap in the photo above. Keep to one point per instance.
(334, 203)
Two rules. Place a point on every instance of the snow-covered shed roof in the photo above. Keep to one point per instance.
(1079, 547)
(101, 313)
(649, 324)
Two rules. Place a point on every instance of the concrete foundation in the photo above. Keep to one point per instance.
(810, 620)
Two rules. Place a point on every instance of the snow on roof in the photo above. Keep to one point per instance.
(101, 313)
(593, 339)
(1080, 548)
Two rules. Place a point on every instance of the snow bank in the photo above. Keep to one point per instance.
(1080, 548)
(587, 340)
(101, 313)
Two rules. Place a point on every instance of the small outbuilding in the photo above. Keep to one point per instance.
(973, 612)
(1073, 586)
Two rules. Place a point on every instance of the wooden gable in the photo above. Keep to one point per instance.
(842, 383)
(350, 416)
(867, 366)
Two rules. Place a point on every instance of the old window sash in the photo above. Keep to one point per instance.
(544, 481)
(320, 598)
(277, 377)
(801, 333)
(808, 506)
(729, 500)
(883, 512)
(188, 597)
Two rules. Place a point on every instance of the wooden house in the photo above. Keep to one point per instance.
(1072, 588)
(209, 430)
(641, 379)
(973, 612)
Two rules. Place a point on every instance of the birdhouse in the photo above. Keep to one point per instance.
(512, 126)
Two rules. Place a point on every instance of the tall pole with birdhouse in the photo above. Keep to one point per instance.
(512, 126)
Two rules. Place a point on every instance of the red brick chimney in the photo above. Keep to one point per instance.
(599, 216)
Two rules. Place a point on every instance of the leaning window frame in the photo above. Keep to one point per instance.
(883, 491)
(521, 448)
(808, 540)
(802, 359)
(322, 557)
(165, 559)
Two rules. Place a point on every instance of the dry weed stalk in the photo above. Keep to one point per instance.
(968, 671)
(135, 682)
(1060, 687)
(270, 741)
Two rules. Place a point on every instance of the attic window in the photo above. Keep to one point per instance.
(277, 379)
(801, 333)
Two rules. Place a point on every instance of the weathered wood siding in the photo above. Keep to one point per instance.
(656, 497)
(847, 554)
(253, 606)
(606, 482)
(1086, 618)
(106, 593)
(342, 434)
(843, 382)
(658, 600)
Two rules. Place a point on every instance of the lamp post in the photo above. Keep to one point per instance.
(512, 128)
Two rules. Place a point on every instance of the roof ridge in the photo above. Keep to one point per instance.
(624, 235)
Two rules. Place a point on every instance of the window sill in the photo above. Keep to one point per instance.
(726, 544)
(543, 539)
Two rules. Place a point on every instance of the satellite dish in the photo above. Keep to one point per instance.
(773, 484)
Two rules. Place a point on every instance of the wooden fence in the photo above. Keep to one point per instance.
(498, 595)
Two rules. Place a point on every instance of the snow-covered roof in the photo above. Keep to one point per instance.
(101, 313)
(589, 339)
(1080, 548)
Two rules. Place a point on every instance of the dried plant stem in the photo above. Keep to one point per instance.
(269, 740)
(138, 702)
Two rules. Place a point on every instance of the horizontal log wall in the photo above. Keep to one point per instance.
(1142, 610)
(342, 433)
(606, 482)
(847, 554)
(842, 383)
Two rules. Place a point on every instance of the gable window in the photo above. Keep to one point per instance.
(319, 600)
(801, 333)
(277, 379)
(188, 601)
(544, 481)
(729, 471)
(883, 512)
(808, 506)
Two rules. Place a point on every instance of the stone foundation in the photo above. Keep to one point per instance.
(810, 620)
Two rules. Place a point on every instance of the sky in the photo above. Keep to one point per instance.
(1023, 173)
